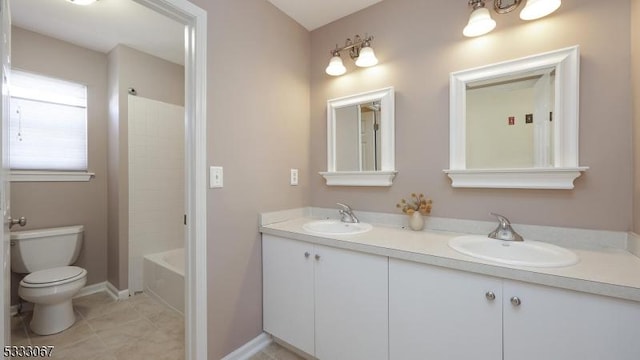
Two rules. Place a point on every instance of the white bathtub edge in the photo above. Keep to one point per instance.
(158, 259)
(251, 348)
(162, 280)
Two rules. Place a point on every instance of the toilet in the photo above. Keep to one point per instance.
(45, 255)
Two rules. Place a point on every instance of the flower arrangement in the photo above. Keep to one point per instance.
(417, 203)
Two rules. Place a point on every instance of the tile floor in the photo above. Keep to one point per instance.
(105, 329)
(275, 352)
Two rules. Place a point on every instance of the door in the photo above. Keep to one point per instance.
(5, 54)
(441, 314)
(351, 305)
(287, 288)
(550, 323)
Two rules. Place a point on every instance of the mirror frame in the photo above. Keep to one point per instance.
(383, 177)
(566, 63)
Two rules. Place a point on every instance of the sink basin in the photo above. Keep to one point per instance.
(522, 253)
(336, 227)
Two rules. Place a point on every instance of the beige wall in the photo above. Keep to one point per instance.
(419, 44)
(257, 128)
(152, 78)
(635, 69)
(47, 204)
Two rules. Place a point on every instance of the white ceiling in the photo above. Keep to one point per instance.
(103, 25)
(107, 23)
(313, 14)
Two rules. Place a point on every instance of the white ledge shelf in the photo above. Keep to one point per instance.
(359, 178)
(534, 178)
(49, 176)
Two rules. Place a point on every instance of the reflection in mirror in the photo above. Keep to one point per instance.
(514, 124)
(518, 112)
(361, 139)
(358, 137)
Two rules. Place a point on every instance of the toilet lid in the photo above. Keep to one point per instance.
(55, 275)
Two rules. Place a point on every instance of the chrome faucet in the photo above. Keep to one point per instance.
(347, 214)
(504, 231)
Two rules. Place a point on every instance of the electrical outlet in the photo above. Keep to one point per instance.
(215, 177)
(294, 177)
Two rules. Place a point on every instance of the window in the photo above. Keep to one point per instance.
(48, 124)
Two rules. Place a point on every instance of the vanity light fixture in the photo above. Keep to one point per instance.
(480, 21)
(360, 51)
(82, 2)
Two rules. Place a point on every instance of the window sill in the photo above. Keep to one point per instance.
(49, 176)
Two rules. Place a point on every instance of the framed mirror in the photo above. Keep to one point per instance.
(515, 124)
(360, 139)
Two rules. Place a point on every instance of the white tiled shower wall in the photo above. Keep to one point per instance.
(156, 181)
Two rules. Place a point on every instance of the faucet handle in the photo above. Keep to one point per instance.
(345, 206)
(504, 222)
(347, 214)
(504, 231)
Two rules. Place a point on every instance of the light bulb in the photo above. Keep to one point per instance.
(366, 57)
(335, 67)
(82, 2)
(480, 23)
(535, 9)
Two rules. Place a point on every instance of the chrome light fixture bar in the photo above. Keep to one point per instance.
(480, 21)
(360, 51)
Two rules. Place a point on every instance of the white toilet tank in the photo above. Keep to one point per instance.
(34, 250)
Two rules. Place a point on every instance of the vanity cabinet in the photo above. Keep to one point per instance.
(437, 313)
(328, 302)
(551, 323)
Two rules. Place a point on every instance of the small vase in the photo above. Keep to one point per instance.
(416, 221)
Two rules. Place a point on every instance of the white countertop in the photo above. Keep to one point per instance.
(610, 272)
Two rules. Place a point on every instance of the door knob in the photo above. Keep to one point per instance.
(515, 301)
(22, 221)
(317, 257)
(306, 254)
(490, 295)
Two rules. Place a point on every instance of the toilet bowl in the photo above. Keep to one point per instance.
(45, 255)
(51, 291)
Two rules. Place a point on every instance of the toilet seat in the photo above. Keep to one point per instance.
(52, 277)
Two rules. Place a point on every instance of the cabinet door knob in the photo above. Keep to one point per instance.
(490, 295)
(306, 254)
(515, 301)
(317, 257)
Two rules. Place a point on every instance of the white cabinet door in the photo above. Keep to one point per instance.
(441, 314)
(553, 323)
(287, 271)
(351, 305)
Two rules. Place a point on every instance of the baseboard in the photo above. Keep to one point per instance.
(106, 287)
(251, 348)
(115, 293)
(91, 289)
(87, 290)
(26, 306)
(633, 244)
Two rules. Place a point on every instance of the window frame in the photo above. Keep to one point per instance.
(44, 175)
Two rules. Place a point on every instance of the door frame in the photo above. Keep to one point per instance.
(195, 21)
(5, 196)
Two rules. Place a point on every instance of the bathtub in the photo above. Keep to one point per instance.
(163, 277)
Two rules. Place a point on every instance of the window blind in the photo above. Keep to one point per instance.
(48, 123)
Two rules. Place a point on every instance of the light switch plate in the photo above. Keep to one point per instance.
(294, 177)
(215, 177)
